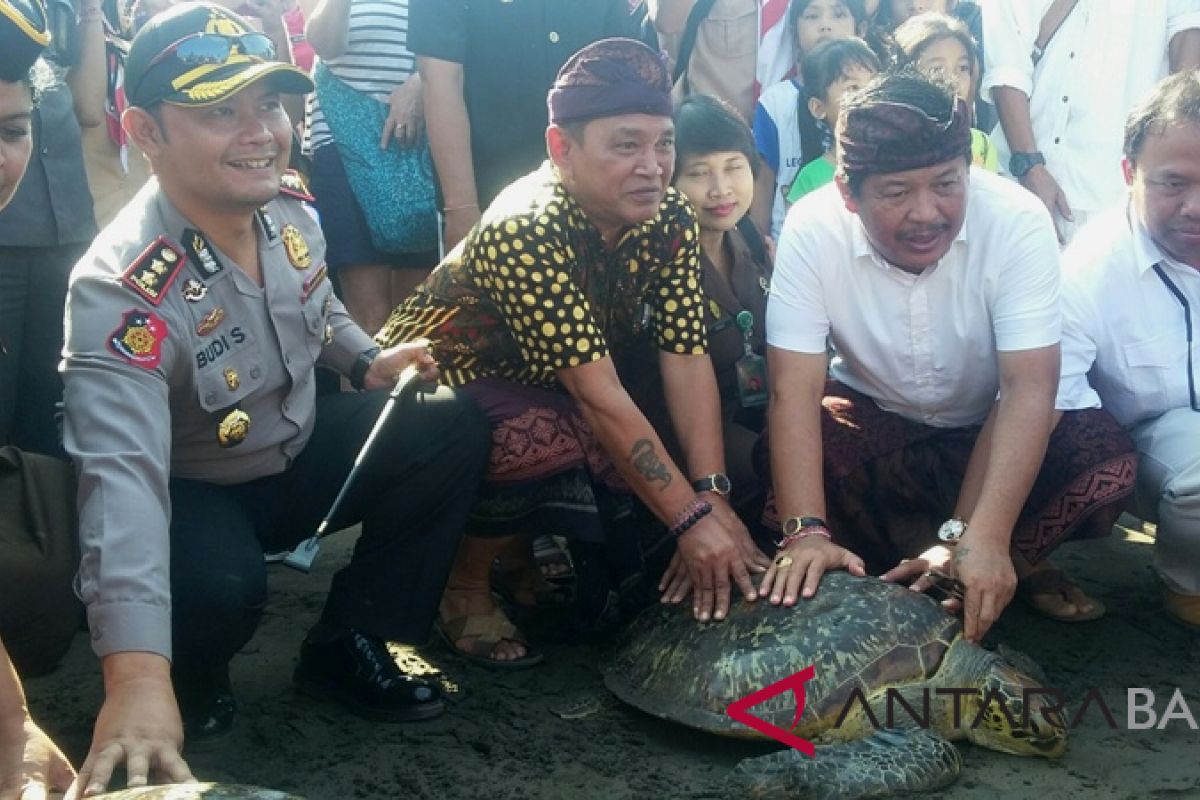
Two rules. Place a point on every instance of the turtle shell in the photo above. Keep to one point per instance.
(856, 632)
(198, 791)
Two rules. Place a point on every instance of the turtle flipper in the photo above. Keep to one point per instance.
(890, 761)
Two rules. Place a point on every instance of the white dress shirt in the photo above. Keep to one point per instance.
(1121, 323)
(923, 346)
(1105, 58)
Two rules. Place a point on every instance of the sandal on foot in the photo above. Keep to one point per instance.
(529, 589)
(552, 560)
(1037, 587)
(483, 632)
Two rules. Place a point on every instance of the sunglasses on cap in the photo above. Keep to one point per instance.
(198, 49)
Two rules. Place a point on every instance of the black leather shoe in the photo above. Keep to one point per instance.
(207, 707)
(357, 670)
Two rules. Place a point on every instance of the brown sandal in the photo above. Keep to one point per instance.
(1053, 582)
(485, 631)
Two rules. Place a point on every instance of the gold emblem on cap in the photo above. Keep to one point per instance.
(232, 379)
(234, 429)
(296, 247)
(210, 322)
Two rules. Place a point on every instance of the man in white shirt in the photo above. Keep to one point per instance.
(939, 289)
(1062, 108)
(1131, 293)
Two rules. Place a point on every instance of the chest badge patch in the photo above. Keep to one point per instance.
(234, 429)
(212, 320)
(138, 339)
(152, 272)
(194, 291)
(296, 247)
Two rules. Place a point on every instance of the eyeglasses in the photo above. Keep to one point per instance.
(1187, 321)
(198, 49)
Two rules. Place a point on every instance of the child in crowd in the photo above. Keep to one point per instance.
(940, 46)
(830, 71)
(785, 134)
(894, 13)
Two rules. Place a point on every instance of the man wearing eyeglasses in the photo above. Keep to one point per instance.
(1131, 300)
(195, 323)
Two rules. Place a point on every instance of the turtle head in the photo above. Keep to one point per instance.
(1011, 713)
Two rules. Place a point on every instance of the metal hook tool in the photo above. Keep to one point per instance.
(302, 557)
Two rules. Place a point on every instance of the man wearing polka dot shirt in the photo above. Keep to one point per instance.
(586, 256)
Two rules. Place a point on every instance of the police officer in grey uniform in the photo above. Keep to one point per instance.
(194, 324)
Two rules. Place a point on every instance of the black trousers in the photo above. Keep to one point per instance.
(412, 497)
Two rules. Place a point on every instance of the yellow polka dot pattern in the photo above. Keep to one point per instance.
(534, 290)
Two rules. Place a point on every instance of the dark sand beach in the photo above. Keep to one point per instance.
(501, 740)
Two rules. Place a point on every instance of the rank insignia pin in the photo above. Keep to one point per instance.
(233, 430)
(211, 321)
(232, 379)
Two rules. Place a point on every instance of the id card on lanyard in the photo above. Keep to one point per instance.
(751, 368)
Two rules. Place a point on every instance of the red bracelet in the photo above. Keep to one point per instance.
(804, 533)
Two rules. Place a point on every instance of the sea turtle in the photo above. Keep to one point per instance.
(198, 791)
(862, 636)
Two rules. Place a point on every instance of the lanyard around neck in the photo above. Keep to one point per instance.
(1187, 322)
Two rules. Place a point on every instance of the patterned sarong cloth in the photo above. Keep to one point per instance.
(547, 473)
(890, 482)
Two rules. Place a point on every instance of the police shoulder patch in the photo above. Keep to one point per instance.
(153, 272)
(293, 185)
(138, 339)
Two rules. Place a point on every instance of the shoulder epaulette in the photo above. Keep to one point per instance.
(152, 272)
(293, 185)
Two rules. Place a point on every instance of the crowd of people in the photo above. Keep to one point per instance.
(705, 299)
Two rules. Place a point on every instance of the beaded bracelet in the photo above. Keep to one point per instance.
(804, 533)
(692, 513)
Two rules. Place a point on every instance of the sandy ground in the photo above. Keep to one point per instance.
(500, 739)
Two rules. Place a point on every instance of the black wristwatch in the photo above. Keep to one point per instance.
(1020, 163)
(358, 370)
(718, 483)
(793, 525)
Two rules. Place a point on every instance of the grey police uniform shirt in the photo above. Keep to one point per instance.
(170, 346)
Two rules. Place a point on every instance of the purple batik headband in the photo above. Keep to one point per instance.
(607, 78)
(894, 137)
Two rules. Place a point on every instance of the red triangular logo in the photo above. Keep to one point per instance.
(795, 683)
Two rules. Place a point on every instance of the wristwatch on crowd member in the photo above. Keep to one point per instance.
(358, 370)
(952, 530)
(797, 528)
(718, 483)
(1019, 164)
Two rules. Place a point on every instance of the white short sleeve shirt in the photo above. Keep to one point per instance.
(1122, 326)
(1106, 56)
(922, 346)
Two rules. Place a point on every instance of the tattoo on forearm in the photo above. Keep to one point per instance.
(647, 462)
